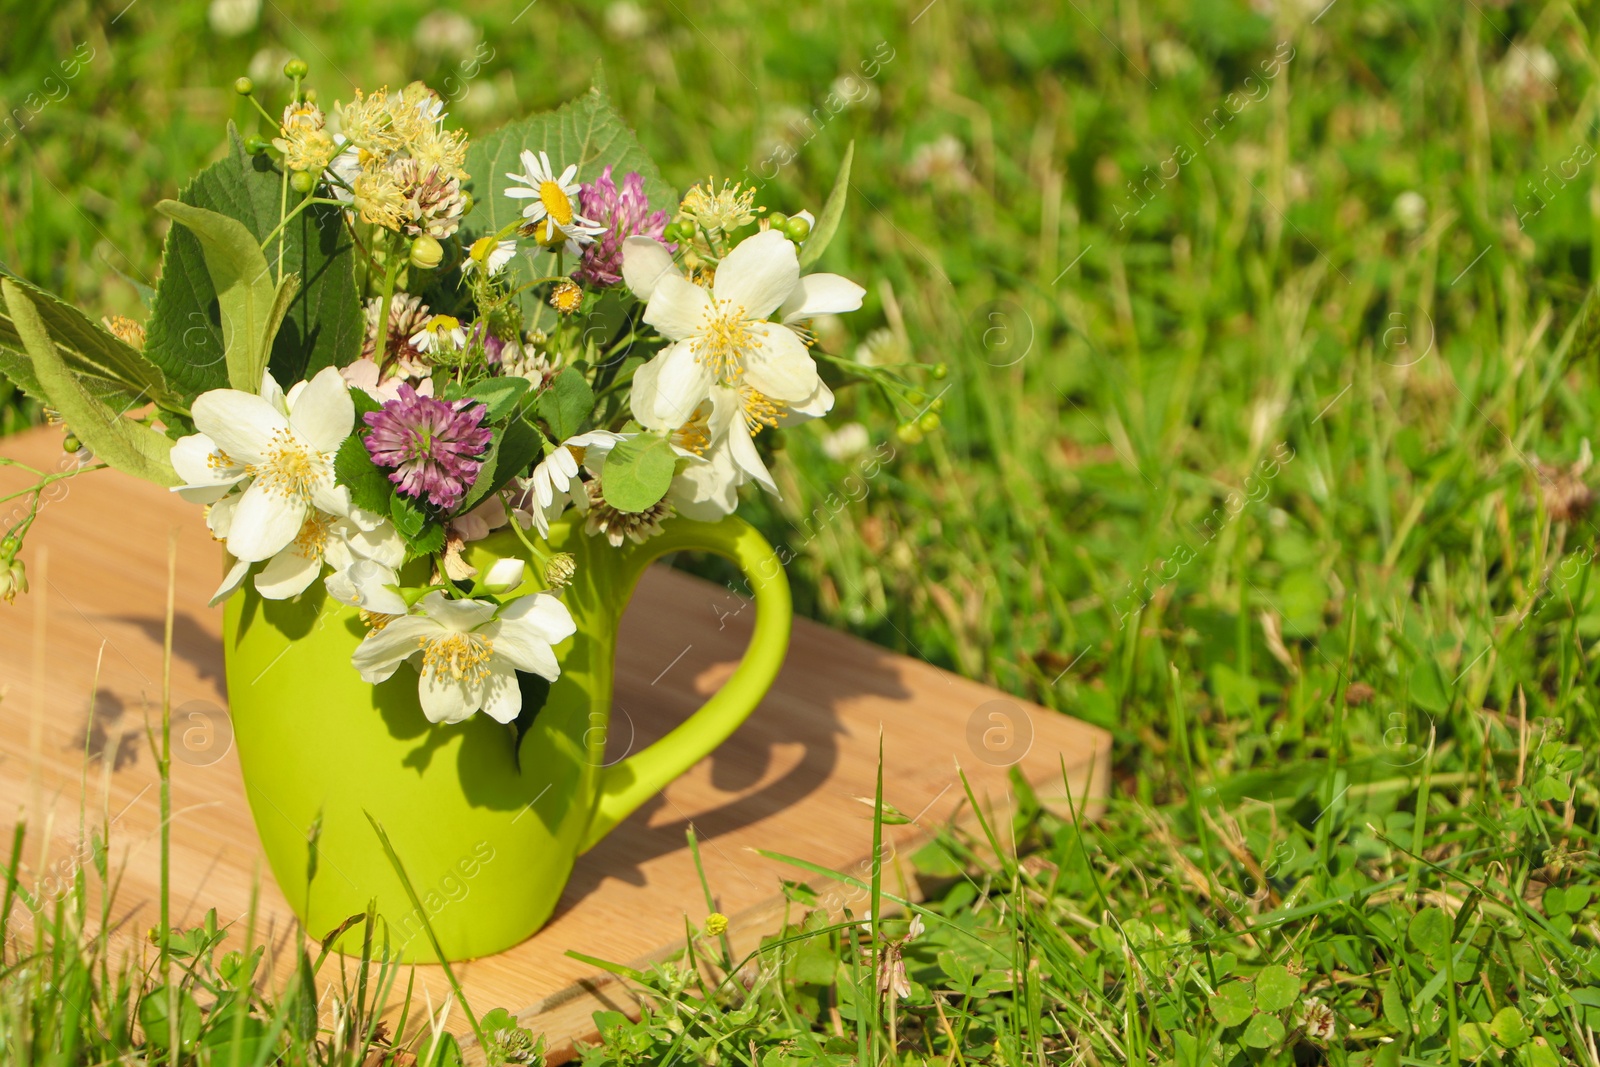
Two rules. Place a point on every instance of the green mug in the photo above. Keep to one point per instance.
(487, 836)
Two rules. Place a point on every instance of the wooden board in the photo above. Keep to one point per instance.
(789, 779)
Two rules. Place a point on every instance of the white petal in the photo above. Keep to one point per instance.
(642, 398)
(384, 545)
(242, 424)
(747, 458)
(681, 383)
(462, 616)
(502, 696)
(195, 459)
(369, 585)
(758, 275)
(779, 365)
(818, 404)
(287, 574)
(821, 294)
(541, 614)
(231, 583)
(323, 414)
(381, 651)
(264, 523)
(645, 261)
(519, 645)
(709, 489)
(220, 518)
(272, 393)
(446, 699)
(330, 496)
(678, 307)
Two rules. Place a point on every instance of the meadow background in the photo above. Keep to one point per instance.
(1264, 444)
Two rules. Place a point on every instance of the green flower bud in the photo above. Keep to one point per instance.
(936, 404)
(940, 371)
(244, 86)
(672, 232)
(426, 252)
(302, 181)
(929, 422)
(908, 433)
(778, 220)
(70, 444)
(13, 580)
(255, 145)
(466, 203)
(310, 96)
(296, 68)
(797, 228)
(10, 547)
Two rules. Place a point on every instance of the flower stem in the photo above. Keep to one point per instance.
(390, 269)
(307, 202)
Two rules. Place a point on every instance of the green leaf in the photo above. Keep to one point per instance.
(243, 283)
(485, 480)
(566, 403)
(109, 370)
(408, 518)
(445, 1053)
(155, 1017)
(1276, 988)
(1430, 931)
(587, 131)
(822, 233)
(369, 487)
(638, 472)
(1264, 1031)
(324, 322)
(127, 445)
(1428, 690)
(1509, 1028)
(1232, 1003)
(498, 395)
(1475, 1040)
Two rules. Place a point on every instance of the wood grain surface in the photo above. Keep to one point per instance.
(90, 632)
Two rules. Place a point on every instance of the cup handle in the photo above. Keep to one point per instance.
(630, 782)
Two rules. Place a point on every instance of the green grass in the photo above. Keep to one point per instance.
(1244, 466)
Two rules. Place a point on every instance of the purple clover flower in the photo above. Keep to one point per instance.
(433, 447)
(625, 213)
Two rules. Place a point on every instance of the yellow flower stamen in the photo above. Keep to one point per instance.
(458, 657)
(722, 341)
(758, 409)
(695, 435)
(376, 620)
(290, 469)
(556, 202)
(312, 540)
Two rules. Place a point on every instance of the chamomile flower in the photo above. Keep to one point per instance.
(552, 218)
(440, 333)
(488, 257)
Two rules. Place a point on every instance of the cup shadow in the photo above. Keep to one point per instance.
(665, 672)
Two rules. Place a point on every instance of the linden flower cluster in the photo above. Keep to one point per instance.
(398, 166)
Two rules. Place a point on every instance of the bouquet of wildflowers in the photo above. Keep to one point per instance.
(374, 342)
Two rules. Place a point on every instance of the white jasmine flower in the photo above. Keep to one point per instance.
(467, 652)
(337, 541)
(279, 449)
(721, 335)
(544, 494)
(552, 216)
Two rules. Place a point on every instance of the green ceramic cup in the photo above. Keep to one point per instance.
(487, 837)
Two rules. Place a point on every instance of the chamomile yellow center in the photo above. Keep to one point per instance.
(556, 202)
